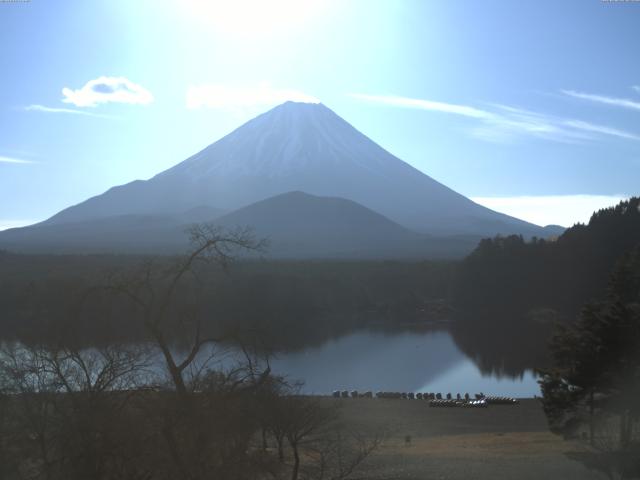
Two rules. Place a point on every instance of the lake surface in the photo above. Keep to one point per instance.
(411, 361)
(425, 360)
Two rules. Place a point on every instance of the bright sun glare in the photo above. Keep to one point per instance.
(248, 18)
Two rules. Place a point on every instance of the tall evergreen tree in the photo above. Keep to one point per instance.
(596, 370)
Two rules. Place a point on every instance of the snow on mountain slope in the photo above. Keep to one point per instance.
(301, 147)
(288, 140)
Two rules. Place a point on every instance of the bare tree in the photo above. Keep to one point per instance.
(274, 413)
(205, 425)
(6, 458)
(78, 413)
(154, 289)
(305, 417)
(67, 404)
(320, 446)
(339, 453)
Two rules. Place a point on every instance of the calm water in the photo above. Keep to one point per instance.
(409, 361)
(418, 361)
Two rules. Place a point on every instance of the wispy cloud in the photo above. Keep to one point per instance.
(590, 127)
(107, 90)
(397, 101)
(499, 123)
(45, 109)
(565, 210)
(17, 161)
(636, 88)
(230, 97)
(614, 101)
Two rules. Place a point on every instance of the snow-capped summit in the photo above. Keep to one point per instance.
(300, 147)
(288, 140)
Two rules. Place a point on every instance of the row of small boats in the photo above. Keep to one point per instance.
(459, 403)
(436, 399)
(477, 403)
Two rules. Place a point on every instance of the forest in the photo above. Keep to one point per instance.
(291, 303)
(510, 293)
(146, 409)
(591, 389)
(502, 301)
(82, 397)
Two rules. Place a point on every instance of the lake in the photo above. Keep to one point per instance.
(416, 360)
(411, 361)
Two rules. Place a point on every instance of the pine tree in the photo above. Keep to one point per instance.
(596, 361)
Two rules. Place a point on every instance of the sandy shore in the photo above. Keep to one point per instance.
(499, 442)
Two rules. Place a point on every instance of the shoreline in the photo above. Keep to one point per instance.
(494, 443)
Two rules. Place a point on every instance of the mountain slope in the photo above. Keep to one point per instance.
(300, 225)
(296, 224)
(301, 147)
(134, 233)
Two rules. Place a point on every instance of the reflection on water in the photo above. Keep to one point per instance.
(409, 360)
(418, 361)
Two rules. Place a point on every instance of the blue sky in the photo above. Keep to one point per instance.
(531, 107)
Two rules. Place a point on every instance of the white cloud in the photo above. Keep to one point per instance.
(508, 122)
(228, 97)
(565, 210)
(617, 102)
(6, 224)
(590, 127)
(636, 88)
(503, 123)
(13, 160)
(107, 90)
(397, 101)
(42, 108)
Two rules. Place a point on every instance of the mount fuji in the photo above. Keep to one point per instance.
(295, 147)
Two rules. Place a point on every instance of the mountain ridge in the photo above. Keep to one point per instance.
(305, 147)
(296, 224)
(298, 173)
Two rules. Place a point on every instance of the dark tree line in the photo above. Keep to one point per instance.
(593, 388)
(511, 275)
(510, 292)
(68, 411)
(292, 303)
